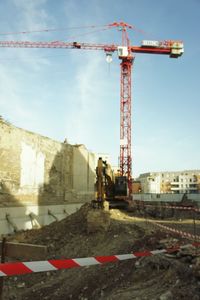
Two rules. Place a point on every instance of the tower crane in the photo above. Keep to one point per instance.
(125, 51)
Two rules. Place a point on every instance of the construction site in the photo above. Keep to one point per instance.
(73, 227)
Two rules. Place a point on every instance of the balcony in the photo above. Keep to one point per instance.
(184, 183)
(192, 188)
(176, 188)
(193, 185)
(173, 188)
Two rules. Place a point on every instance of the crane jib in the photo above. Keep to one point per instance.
(172, 49)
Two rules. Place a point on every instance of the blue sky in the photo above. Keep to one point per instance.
(75, 94)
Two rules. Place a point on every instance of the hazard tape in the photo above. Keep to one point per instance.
(170, 206)
(21, 268)
(182, 233)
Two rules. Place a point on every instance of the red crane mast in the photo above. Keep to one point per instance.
(125, 51)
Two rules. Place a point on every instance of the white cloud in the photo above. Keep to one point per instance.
(11, 104)
(88, 82)
(75, 16)
(33, 15)
(17, 63)
(88, 100)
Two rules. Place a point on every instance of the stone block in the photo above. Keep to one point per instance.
(98, 220)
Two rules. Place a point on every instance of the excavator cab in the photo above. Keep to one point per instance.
(121, 186)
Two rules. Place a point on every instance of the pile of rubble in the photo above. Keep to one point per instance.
(161, 277)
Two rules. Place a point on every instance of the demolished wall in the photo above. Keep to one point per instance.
(83, 171)
(38, 170)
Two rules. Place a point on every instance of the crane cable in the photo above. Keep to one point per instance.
(45, 56)
(51, 30)
(47, 30)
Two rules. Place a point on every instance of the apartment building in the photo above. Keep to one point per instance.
(187, 181)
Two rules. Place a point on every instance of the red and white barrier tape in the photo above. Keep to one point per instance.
(20, 268)
(182, 233)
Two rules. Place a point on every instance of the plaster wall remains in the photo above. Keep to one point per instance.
(38, 170)
(84, 171)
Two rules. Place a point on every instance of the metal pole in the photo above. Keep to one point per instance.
(145, 216)
(51, 214)
(194, 228)
(3, 257)
(11, 223)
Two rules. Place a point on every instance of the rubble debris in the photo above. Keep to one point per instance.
(167, 296)
(153, 277)
(97, 220)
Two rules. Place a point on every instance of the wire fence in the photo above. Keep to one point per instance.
(183, 220)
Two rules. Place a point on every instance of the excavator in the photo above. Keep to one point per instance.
(111, 189)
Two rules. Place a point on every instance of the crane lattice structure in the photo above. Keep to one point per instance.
(174, 49)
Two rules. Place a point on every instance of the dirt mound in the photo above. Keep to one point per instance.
(146, 278)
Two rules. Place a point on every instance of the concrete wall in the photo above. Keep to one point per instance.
(36, 170)
(33, 216)
(166, 197)
(83, 171)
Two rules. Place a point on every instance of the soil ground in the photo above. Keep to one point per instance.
(161, 277)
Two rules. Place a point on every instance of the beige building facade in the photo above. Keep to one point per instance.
(187, 181)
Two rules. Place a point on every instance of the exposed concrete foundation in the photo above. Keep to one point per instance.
(33, 216)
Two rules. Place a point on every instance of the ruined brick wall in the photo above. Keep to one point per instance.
(38, 170)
